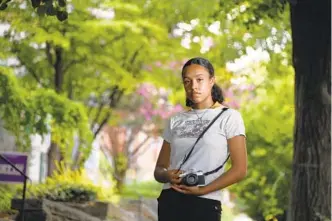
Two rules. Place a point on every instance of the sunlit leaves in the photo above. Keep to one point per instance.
(269, 122)
(114, 49)
(39, 111)
(116, 26)
(95, 55)
(121, 8)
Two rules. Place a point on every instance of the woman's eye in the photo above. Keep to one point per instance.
(200, 79)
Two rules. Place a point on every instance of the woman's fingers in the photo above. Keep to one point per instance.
(174, 176)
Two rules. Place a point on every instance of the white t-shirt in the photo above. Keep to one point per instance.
(211, 150)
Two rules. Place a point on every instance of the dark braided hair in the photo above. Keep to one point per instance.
(216, 92)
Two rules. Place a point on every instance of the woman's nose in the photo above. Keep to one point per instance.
(193, 85)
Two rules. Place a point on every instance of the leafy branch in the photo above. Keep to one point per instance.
(43, 110)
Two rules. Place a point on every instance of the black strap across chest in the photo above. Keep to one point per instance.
(198, 138)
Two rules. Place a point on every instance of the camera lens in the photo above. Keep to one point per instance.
(191, 179)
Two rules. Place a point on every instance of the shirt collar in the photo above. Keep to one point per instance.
(214, 106)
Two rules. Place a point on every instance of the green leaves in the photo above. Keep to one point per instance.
(122, 8)
(89, 54)
(269, 123)
(33, 112)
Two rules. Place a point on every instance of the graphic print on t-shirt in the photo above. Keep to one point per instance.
(190, 128)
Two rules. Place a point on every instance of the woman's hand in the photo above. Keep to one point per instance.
(192, 190)
(173, 176)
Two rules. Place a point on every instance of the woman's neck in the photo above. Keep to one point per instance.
(204, 105)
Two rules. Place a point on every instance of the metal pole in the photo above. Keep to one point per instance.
(140, 208)
(23, 197)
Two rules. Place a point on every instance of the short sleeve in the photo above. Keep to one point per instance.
(235, 125)
(167, 135)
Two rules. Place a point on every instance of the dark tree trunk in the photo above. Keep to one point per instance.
(58, 69)
(311, 184)
(54, 154)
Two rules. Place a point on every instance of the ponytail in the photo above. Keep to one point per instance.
(216, 93)
(189, 103)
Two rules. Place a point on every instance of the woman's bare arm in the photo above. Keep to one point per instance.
(160, 172)
(238, 170)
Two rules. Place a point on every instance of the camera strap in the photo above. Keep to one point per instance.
(199, 137)
(218, 168)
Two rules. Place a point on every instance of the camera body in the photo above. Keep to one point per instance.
(192, 178)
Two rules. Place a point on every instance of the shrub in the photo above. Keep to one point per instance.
(65, 185)
(7, 192)
(72, 186)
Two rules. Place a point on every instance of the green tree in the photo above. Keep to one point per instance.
(91, 62)
(269, 119)
(40, 111)
(310, 22)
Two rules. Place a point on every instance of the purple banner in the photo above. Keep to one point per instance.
(7, 173)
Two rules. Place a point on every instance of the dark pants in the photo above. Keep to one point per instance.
(175, 206)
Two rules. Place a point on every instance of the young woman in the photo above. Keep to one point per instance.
(179, 202)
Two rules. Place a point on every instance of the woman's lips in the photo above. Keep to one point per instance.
(196, 95)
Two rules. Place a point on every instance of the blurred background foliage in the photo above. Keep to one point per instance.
(72, 77)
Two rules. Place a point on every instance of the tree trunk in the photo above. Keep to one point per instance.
(120, 170)
(53, 156)
(311, 184)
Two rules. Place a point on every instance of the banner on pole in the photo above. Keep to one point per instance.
(7, 173)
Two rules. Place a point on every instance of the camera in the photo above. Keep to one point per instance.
(192, 178)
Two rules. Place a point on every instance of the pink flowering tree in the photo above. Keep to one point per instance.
(237, 95)
(155, 107)
(141, 116)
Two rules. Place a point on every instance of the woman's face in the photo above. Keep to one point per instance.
(197, 83)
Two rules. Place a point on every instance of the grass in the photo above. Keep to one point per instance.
(149, 189)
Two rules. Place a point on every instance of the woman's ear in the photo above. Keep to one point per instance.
(212, 81)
